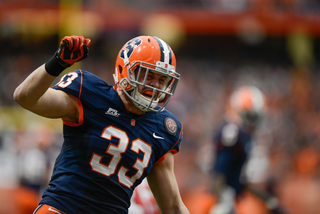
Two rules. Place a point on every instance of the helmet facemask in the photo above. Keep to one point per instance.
(149, 101)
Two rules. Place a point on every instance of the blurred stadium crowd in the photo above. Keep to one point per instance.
(285, 67)
(218, 4)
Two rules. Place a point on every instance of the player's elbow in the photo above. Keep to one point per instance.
(20, 97)
(17, 95)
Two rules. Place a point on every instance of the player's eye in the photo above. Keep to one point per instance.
(162, 79)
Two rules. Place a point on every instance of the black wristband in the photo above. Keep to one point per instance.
(54, 66)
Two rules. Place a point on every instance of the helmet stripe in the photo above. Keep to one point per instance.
(165, 51)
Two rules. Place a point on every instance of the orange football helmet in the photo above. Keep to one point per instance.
(152, 55)
(249, 103)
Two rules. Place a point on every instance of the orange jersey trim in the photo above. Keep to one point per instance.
(46, 209)
(79, 123)
(161, 159)
(174, 151)
(80, 83)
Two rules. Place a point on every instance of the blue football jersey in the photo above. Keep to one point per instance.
(108, 152)
(232, 146)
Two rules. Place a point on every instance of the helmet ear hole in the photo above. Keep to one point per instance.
(120, 69)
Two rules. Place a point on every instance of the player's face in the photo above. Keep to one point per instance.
(153, 79)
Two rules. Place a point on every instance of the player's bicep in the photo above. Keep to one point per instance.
(57, 104)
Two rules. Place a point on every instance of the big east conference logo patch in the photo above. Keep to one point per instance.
(170, 125)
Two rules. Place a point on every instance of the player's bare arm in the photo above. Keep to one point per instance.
(35, 95)
(164, 187)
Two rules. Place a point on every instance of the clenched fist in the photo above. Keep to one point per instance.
(72, 49)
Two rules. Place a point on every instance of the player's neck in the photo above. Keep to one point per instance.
(129, 105)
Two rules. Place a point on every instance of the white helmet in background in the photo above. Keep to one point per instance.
(249, 103)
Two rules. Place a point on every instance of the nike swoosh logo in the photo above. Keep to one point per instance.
(157, 137)
(52, 210)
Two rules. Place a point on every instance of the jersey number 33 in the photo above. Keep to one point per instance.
(116, 152)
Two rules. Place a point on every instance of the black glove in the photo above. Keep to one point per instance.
(72, 49)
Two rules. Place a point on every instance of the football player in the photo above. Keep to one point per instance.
(114, 136)
(233, 142)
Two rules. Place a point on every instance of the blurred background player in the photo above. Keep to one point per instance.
(234, 146)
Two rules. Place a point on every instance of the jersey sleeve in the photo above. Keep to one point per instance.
(71, 83)
(84, 86)
(178, 140)
(175, 144)
(172, 129)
